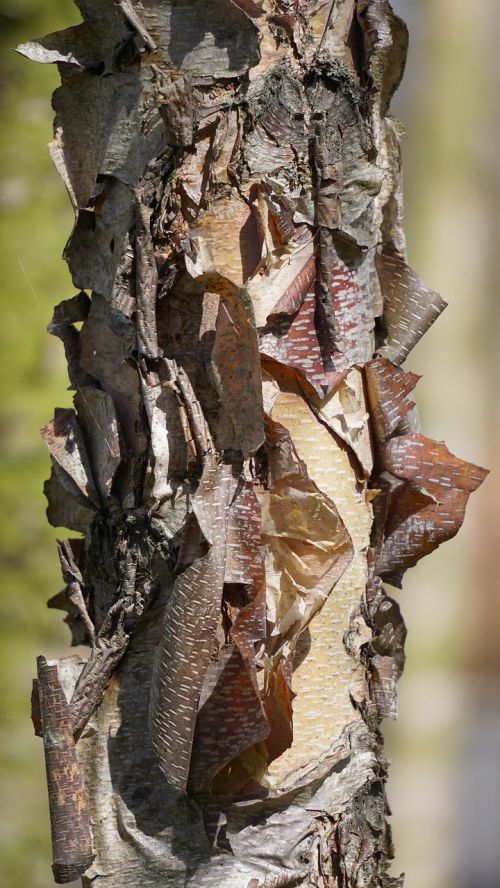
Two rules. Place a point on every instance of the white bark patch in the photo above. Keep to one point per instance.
(324, 672)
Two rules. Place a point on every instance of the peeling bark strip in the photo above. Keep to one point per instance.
(244, 463)
(71, 840)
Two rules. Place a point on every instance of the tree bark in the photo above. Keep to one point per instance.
(244, 463)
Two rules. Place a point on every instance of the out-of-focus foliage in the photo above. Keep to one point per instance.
(444, 785)
(35, 219)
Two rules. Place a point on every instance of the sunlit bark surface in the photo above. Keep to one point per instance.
(244, 464)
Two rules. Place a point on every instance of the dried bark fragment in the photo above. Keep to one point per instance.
(386, 46)
(410, 308)
(186, 647)
(95, 677)
(110, 110)
(430, 465)
(88, 45)
(295, 293)
(71, 840)
(386, 647)
(96, 247)
(96, 411)
(321, 656)
(73, 599)
(66, 314)
(345, 413)
(307, 543)
(66, 507)
(388, 390)
(64, 439)
(236, 370)
(230, 722)
(286, 279)
(296, 345)
(146, 282)
(106, 343)
(189, 628)
(428, 508)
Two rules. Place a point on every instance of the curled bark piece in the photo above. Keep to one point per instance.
(193, 608)
(244, 559)
(69, 311)
(410, 308)
(386, 46)
(229, 726)
(344, 412)
(66, 506)
(71, 840)
(428, 508)
(294, 295)
(93, 45)
(95, 678)
(97, 413)
(108, 110)
(430, 465)
(307, 540)
(326, 461)
(237, 371)
(231, 719)
(295, 343)
(286, 279)
(95, 250)
(64, 439)
(146, 282)
(189, 627)
(74, 581)
(224, 342)
(388, 389)
(66, 314)
(106, 341)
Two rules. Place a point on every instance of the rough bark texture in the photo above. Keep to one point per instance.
(244, 460)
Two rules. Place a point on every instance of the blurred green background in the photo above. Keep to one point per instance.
(35, 220)
(445, 783)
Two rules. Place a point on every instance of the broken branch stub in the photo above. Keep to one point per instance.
(243, 461)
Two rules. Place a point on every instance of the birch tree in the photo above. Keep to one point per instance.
(243, 465)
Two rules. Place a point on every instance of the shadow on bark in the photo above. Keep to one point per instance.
(150, 812)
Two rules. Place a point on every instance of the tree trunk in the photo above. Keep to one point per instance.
(244, 460)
